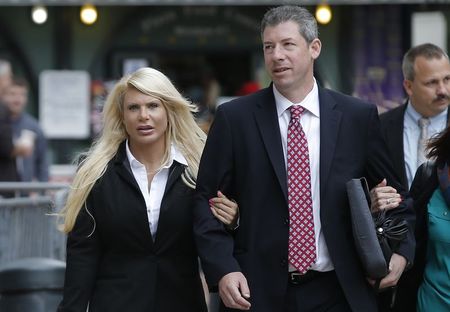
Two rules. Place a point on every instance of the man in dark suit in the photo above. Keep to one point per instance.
(426, 72)
(270, 263)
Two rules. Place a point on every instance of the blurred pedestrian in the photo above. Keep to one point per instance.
(128, 215)
(26, 132)
(8, 171)
(248, 87)
(205, 96)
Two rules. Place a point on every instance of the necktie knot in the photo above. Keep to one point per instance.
(296, 111)
(424, 122)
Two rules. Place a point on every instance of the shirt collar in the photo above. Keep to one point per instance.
(175, 155)
(309, 103)
(415, 116)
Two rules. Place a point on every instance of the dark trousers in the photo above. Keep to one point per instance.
(323, 293)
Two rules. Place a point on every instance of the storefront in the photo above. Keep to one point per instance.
(361, 55)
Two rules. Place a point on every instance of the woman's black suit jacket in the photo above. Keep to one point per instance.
(120, 267)
(422, 188)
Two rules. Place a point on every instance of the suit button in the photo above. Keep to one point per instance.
(286, 222)
(283, 263)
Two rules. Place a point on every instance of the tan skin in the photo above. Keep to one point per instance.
(429, 91)
(289, 59)
(384, 197)
(224, 209)
(145, 120)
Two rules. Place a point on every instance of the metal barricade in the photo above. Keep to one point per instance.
(28, 225)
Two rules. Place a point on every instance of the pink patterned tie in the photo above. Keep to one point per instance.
(302, 246)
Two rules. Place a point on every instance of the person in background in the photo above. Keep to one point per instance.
(248, 87)
(406, 129)
(285, 154)
(26, 131)
(128, 215)
(205, 96)
(8, 171)
(8, 149)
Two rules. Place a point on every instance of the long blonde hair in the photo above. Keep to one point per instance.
(182, 131)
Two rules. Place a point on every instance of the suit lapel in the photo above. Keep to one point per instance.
(123, 169)
(329, 128)
(175, 172)
(394, 140)
(396, 145)
(267, 120)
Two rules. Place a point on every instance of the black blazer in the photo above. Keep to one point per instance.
(121, 267)
(392, 129)
(243, 157)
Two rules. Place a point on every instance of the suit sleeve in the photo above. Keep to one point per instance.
(214, 242)
(83, 251)
(379, 167)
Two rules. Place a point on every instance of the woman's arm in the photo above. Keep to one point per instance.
(224, 209)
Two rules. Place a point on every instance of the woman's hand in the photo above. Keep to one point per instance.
(224, 209)
(384, 197)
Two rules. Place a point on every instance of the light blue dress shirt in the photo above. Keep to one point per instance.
(411, 132)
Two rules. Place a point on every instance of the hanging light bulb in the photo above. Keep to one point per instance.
(88, 14)
(39, 14)
(323, 14)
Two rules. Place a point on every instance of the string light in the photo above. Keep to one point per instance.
(323, 14)
(39, 14)
(88, 14)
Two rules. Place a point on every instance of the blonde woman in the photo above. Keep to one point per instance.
(129, 213)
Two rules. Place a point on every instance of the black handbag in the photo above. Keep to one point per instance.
(376, 235)
(390, 232)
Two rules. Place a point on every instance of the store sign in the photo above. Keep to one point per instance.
(64, 104)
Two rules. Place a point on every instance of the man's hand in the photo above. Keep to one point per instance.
(397, 265)
(234, 291)
(22, 150)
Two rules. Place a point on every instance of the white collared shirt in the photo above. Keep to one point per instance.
(310, 121)
(153, 196)
(411, 133)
